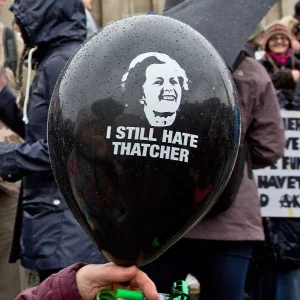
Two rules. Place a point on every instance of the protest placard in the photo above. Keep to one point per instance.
(279, 185)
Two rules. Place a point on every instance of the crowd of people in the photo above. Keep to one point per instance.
(234, 254)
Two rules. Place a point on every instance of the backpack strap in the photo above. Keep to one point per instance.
(10, 49)
(242, 55)
(230, 192)
(248, 159)
(271, 61)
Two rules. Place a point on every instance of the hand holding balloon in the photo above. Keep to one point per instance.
(93, 278)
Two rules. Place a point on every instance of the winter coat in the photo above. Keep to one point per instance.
(60, 286)
(296, 103)
(281, 76)
(282, 246)
(46, 234)
(263, 128)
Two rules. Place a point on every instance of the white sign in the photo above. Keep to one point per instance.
(279, 185)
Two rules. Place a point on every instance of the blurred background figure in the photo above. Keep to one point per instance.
(293, 28)
(47, 237)
(91, 26)
(297, 11)
(16, 27)
(277, 262)
(255, 42)
(281, 63)
(11, 275)
(9, 52)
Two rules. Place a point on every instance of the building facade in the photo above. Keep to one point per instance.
(105, 11)
(281, 9)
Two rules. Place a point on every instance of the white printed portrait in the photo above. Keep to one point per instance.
(158, 82)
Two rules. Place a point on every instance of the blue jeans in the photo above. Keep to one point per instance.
(276, 284)
(219, 266)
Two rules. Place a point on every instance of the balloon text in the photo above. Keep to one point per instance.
(148, 149)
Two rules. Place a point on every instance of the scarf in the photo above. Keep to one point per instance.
(280, 60)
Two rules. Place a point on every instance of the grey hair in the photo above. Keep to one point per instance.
(164, 58)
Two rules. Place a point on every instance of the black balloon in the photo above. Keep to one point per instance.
(143, 132)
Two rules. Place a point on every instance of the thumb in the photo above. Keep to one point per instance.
(117, 274)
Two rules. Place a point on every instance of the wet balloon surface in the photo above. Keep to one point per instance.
(143, 132)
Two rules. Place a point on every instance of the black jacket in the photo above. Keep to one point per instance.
(296, 102)
(50, 237)
(282, 77)
(282, 245)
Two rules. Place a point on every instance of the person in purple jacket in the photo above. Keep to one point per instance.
(81, 281)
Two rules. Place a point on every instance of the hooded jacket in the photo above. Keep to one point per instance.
(46, 234)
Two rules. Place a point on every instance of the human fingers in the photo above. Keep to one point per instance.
(91, 279)
(116, 274)
(145, 284)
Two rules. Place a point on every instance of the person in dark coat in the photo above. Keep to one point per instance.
(276, 274)
(47, 236)
(297, 11)
(280, 62)
(277, 263)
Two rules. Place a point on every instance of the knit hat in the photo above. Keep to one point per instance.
(274, 29)
(259, 28)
